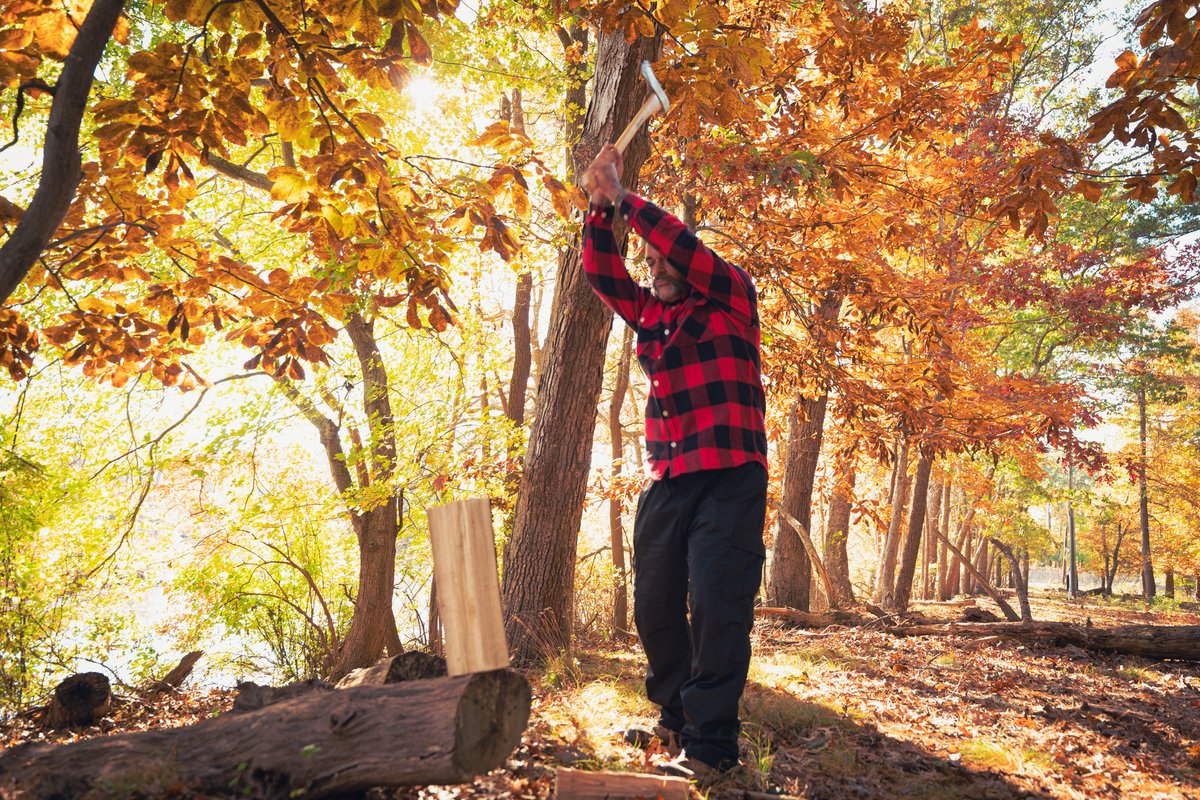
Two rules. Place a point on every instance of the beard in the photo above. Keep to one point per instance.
(669, 290)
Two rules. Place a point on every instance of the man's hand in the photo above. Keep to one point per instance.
(603, 177)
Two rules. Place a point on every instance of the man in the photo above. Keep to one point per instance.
(697, 541)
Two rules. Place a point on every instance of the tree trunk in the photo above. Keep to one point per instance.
(1169, 583)
(1018, 579)
(1111, 576)
(929, 548)
(790, 581)
(1148, 588)
(373, 625)
(943, 570)
(321, 744)
(837, 531)
(912, 542)
(885, 581)
(809, 549)
(791, 571)
(1181, 642)
(539, 561)
(620, 606)
(962, 576)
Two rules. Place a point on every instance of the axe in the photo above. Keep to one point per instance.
(656, 103)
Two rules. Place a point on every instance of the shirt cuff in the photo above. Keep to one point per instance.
(629, 206)
(600, 215)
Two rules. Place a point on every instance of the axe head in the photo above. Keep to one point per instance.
(655, 86)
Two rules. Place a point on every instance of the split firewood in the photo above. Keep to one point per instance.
(577, 784)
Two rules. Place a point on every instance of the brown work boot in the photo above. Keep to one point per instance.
(644, 736)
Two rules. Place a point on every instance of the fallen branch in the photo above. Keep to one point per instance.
(811, 619)
(175, 678)
(1180, 642)
(811, 549)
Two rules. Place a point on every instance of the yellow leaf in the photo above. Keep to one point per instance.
(290, 185)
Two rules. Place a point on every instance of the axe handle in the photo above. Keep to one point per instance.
(649, 108)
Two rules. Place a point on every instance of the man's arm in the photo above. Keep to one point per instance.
(605, 269)
(708, 273)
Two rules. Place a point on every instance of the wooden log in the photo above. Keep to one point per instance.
(411, 666)
(577, 784)
(468, 586)
(1180, 642)
(318, 745)
(810, 619)
(78, 700)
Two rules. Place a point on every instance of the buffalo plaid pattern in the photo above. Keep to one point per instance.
(705, 407)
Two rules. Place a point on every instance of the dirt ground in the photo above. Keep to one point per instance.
(860, 713)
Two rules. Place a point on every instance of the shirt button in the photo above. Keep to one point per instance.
(672, 444)
(666, 331)
(664, 412)
(656, 382)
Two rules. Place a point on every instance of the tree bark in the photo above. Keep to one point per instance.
(1111, 575)
(1169, 583)
(616, 531)
(929, 548)
(943, 576)
(1018, 578)
(885, 580)
(791, 573)
(1180, 642)
(809, 549)
(837, 531)
(61, 163)
(321, 744)
(1148, 588)
(373, 625)
(539, 560)
(912, 543)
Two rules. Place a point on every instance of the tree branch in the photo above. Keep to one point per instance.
(61, 163)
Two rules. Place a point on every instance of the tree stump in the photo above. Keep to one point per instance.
(321, 744)
(79, 700)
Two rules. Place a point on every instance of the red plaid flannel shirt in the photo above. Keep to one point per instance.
(706, 404)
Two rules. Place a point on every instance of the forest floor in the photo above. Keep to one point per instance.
(860, 713)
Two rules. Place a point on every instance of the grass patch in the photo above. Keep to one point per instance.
(984, 753)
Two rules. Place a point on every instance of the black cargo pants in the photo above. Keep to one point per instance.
(698, 546)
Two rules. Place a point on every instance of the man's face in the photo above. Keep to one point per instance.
(669, 285)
